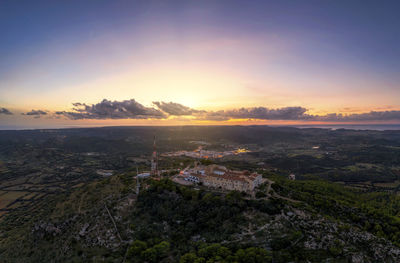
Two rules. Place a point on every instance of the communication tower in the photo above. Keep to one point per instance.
(154, 160)
(137, 181)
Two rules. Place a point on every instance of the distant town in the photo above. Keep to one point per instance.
(206, 154)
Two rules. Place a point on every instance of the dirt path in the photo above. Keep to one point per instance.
(80, 202)
(270, 182)
(285, 198)
(112, 220)
(273, 194)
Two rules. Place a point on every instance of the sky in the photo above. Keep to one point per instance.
(97, 63)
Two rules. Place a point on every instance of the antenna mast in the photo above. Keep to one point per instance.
(137, 181)
(154, 159)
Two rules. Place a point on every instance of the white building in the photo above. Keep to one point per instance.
(143, 175)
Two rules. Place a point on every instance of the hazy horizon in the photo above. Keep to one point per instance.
(376, 127)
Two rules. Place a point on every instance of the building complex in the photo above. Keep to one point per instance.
(220, 177)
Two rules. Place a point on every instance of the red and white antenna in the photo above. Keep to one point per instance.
(154, 159)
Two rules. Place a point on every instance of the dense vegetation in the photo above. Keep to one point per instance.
(192, 216)
(172, 223)
(140, 252)
(377, 212)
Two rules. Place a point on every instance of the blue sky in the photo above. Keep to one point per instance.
(326, 56)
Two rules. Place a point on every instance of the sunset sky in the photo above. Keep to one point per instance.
(95, 63)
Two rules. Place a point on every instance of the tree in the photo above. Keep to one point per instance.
(260, 194)
(136, 248)
(162, 249)
(253, 255)
(150, 255)
(188, 258)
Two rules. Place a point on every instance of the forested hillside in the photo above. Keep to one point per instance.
(302, 221)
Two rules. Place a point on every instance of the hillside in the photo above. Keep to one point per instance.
(68, 195)
(106, 221)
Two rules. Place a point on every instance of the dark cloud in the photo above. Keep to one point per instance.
(287, 113)
(175, 109)
(295, 113)
(5, 111)
(106, 109)
(35, 113)
(261, 113)
(78, 104)
(369, 116)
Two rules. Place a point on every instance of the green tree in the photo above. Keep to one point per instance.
(150, 255)
(253, 255)
(136, 248)
(188, 258)
(162, 249)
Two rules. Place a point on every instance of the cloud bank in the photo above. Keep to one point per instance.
(369, 116)
(5, 111)
(106, 109)
(131, 109)
(259, 113)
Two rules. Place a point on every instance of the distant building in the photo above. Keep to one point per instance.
(292, 177)
(105, 173)
(143, 175)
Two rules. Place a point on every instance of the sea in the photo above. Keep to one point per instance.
(374, 127)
